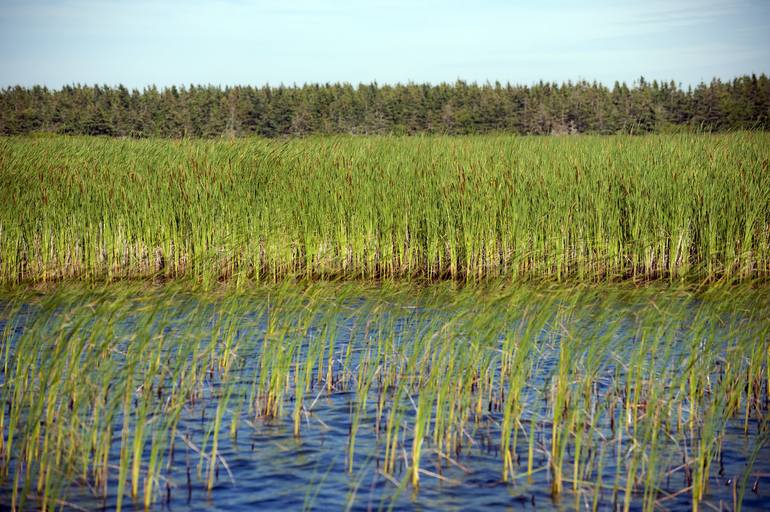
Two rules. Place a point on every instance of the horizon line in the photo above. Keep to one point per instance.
(486, 83)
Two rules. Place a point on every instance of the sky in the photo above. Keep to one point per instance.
(228, 42)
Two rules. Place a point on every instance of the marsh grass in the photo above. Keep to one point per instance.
(691, 207)
(607, 390)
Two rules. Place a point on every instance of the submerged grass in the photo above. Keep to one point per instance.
(589, 208)
(600, 393)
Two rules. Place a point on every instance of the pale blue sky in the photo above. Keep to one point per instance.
(141, 42)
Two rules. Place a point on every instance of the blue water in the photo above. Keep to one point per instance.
(271, 469)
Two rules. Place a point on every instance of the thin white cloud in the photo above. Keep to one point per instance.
(236, 41)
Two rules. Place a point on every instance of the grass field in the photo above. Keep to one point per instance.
(694, 207)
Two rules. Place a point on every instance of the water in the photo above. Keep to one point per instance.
(264, 465)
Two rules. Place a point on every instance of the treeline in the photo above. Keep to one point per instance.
(459, 108)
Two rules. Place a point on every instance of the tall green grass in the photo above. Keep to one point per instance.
(586, 208)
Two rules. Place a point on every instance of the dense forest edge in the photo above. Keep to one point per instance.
(459, 108)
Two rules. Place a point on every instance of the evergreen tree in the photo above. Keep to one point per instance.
(457, 108)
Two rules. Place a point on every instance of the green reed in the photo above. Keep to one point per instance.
(589, 208)
(102, 384)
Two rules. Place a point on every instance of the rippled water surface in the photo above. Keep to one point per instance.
(374, 342)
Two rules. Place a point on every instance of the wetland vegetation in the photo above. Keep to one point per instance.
(692, 207)
(352, 395)
(386, 322)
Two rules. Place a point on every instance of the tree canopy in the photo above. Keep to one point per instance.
(458, 108)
